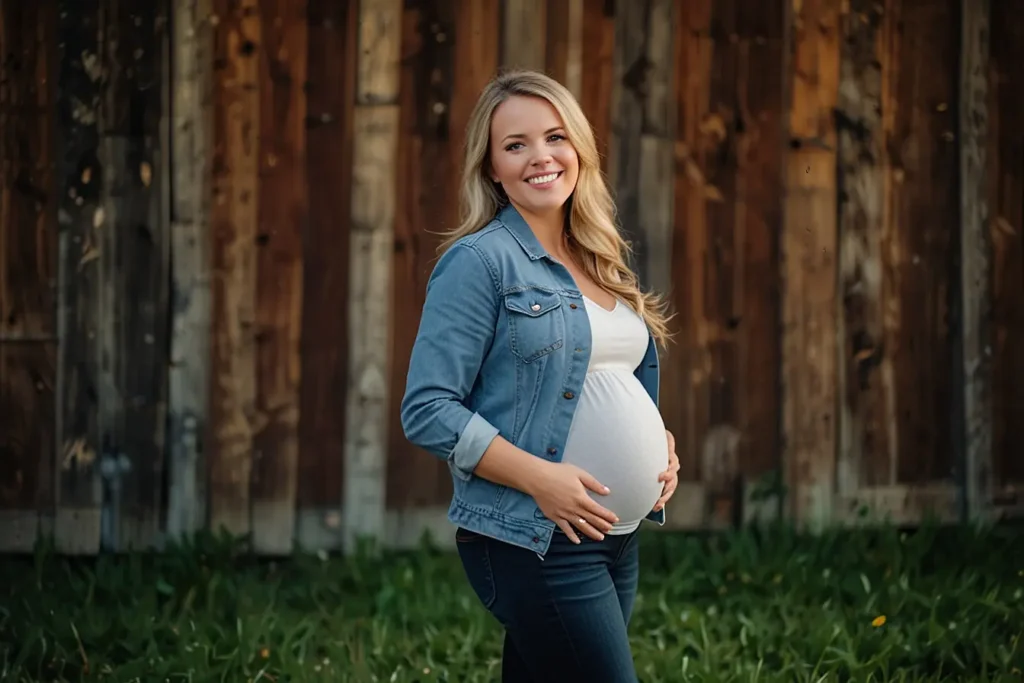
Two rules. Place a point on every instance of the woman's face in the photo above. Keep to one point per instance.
(531, 156)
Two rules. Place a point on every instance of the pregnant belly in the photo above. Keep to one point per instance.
(618, 436)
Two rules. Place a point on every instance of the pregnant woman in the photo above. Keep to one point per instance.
(534, 374)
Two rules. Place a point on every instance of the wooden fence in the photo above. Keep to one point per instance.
(218, 217)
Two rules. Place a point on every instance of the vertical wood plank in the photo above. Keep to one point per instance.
(375, 148)
(721, 396)
(808, 265)
(523, 31)
(80, 190)
(686, 364)
(564, 44)
(234, 220)
(135, 257)
(975, 262)
(922, 247)
(1006, 226)
(28, 259)
(641, 150)
(282, 221)
(428, 205)
(598, 47)
(868, 421)
(191, 189)
(330, 102)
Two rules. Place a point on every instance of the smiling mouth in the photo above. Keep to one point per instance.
(542, 179)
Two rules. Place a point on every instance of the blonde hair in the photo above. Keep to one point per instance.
(594, 240)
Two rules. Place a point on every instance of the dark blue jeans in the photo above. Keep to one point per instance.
(565, 616)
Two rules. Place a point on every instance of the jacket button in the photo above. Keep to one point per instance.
(552, 450)
(572, 306)
(535, 307)
(568, 394)
(536, 540)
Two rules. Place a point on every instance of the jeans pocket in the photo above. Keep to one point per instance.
(474, 551)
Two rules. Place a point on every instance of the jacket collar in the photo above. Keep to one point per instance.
(516, 224)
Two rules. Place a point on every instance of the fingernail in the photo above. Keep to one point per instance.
(606, 489)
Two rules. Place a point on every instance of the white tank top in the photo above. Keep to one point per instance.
(617, 433)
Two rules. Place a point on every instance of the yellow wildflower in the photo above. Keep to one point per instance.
(878, 621)
(264, 653)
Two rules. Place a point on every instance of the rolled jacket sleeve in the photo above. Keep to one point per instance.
(456, 329)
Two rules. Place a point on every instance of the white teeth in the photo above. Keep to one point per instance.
(542, 179)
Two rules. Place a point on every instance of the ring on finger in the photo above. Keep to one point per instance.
(582, 521)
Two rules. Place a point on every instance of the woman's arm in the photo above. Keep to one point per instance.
(456, 330)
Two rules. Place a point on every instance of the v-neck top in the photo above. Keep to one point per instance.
(617, 433)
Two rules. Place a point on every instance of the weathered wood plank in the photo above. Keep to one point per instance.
(1006, 226)
(721, 398)
(428, 205)
(191, 184)
(375, 133)
(282, 222)
(868, 423)
(27, 375)
(331, 97)
(28, 237)
(523, 31)
(975, 259)
(234, 219)
(598, 47)
(135, 260)
(641, 147)
(922, 252)
(808, 265)
(80, 180)
(564, 44)
(28, 260)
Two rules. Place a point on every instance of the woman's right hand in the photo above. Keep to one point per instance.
(560, 490)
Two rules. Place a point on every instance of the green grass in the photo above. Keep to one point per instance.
(773, 606)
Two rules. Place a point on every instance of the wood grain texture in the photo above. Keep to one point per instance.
(28, 236)
(523, 31)
(922, 256)
(283, 207)
(189, 369)
(237, 51)
(563, 50)
(28, 267)
(598, 47)
(808, 265)
(869, 311)
(975, 260)
(427, 161)
(728, 186)
(80, 188)
(641, 148)
(330, 101)
(1006, 227)
(135, 259)
(373, 190)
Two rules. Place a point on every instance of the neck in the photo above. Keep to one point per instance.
(548, 228)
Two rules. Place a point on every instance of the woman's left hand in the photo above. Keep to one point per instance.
(669, 476)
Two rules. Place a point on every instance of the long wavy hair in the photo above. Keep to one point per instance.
(593, 237)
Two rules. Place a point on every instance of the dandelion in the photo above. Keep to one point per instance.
(878, 621)
(265, 653)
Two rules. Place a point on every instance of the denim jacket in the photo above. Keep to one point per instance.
(502, 348)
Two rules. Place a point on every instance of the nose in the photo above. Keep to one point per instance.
(542, 160)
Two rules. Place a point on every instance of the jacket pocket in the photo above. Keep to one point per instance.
(535, 323)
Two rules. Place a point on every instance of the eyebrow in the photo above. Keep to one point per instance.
(549, 131)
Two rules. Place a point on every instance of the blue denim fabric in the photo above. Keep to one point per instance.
(566, 618)
(502, 348)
